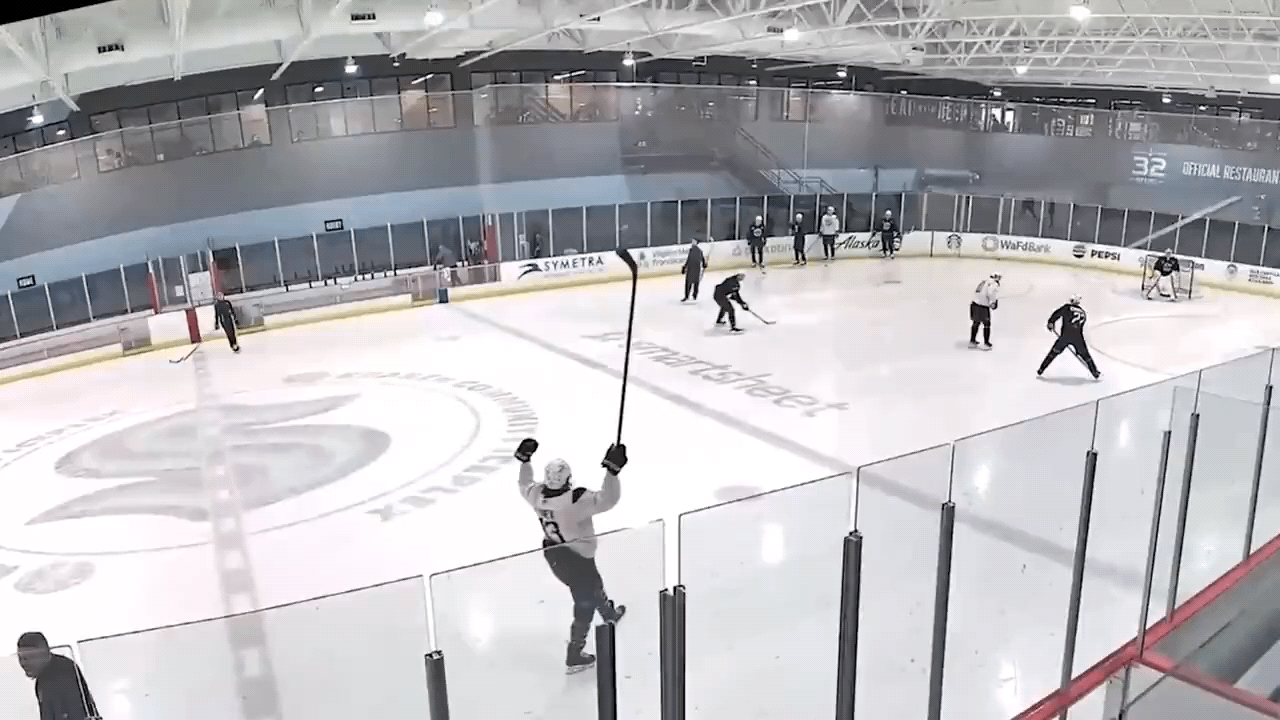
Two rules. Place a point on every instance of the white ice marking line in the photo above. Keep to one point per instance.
(996, 529)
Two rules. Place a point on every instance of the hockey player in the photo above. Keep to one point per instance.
(797, 239)
(569, 542)
(755, 241)
(889, 232)
(828, 228)
(985, 299)
(1163, 269)
(692, 269)
(1071, 335)
(726, 291)
(224, 316)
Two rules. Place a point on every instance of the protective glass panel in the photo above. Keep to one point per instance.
(1011, 570)
(693, 220)
(899, 502)
(1111, 227)
(633, 225)
(410, 241)
(373, 249)
(258, 263)
(763, 577)
(8, 330)
(858, 211)
(1129, 438)
(1137, 225)
(1243, 378)
(31, 310)
(567, 231)
(502, 627)
(1026, 217)
(1191, 237)
(1219, 239)
(1160, 223)
(749, 208)
(357, 654)
(1248, 244)
(602, 228)
(1055, 220)
(137, 285)
(724, 219)
(1221, 482)
(777, 214)
(1084, 223)
(1172, 698)
(70, 302)
(298, 259)
(336, 256)
(984, 215)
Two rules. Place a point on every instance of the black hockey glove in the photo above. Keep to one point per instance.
(615, 458)
(527, 448)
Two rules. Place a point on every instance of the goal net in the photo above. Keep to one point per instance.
(1182, 282)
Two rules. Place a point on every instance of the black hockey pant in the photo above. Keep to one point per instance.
(230, 330)
(692, 279)
(1075, 342)
(798, 246)
(757, 252)
(979, 316)
(582, 577)
(726, 310)
(828, 246)
(886, 244)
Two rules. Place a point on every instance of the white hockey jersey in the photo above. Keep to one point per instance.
(566, 514)
(830, 225)
(987, 293)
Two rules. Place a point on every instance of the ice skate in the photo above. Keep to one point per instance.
(986, 346)
(973, 344)
(612, 613)
(576, 660)
(735, 329)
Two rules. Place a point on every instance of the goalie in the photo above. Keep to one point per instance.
(1163, 271)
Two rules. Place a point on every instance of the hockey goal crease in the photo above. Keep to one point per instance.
(1184, 280)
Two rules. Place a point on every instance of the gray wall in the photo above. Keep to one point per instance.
(292, 188)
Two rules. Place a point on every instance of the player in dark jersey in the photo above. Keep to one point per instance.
(1163, 269)
(1073, 318)
(224, 316)
(569, 542)
(692, 269)
(726, 291)
(755, 242)
(889, 233)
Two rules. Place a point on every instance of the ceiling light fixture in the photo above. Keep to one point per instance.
(433, 18)
(258, 95)
(1166, 99)
(1274, 79)
(842, 72)
(352, 68)
(996, 92)
(1021, 69)
(36, 117)
(628, 59)
(791, 34)
(1079, 10)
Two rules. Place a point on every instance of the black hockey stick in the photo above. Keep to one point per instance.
(631, 321)
(1072, 348)
(766, 322)
(188, 355)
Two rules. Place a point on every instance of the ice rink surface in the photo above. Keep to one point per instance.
(370, 450)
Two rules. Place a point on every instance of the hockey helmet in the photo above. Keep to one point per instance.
(831, 209)
(996, 276)
(1168, 252)
(888, 213)
(557, 474)
(1075, 300)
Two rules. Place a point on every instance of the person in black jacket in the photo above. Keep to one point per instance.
(1073, 318)
(755, 241)
(797, 239)
(728, 290)
(694, 264)
(889, 232)
(224, 316)
(61, 690)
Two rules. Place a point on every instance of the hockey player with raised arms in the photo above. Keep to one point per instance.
(727, 293)
(569, 538)
(1071, 335)
(985, 299)
(1163, 269)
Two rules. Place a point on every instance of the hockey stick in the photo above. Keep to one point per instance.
(1072, 348)
(631, 321)
(184, 357)
(766, 322)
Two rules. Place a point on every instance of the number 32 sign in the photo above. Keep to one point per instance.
(1149, 168)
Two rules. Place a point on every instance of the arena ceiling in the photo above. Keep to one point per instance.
(1230, 46)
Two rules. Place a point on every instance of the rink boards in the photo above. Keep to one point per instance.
(572, 270)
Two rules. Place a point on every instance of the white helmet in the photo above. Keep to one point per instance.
(557, 474)
(1075, 299)
(996, 276)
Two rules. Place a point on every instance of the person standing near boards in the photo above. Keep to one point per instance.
(224, 316)
(694, 264)
(985, 299)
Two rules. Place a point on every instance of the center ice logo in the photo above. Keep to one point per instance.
(328, 456)
(271, 461)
